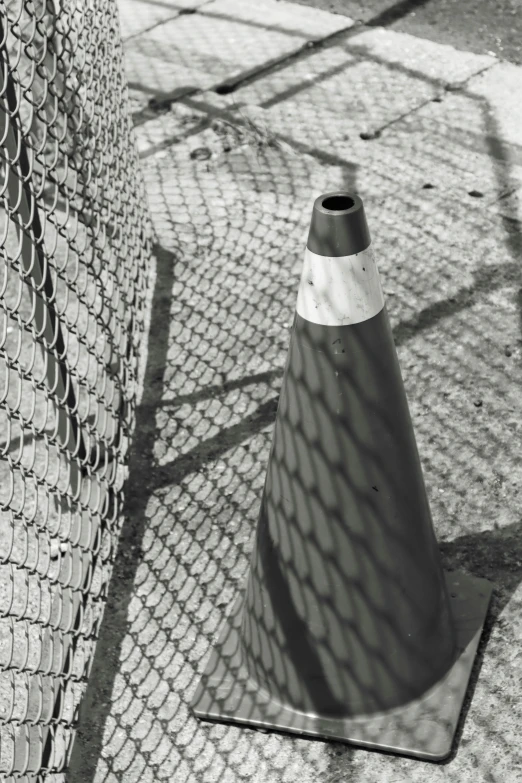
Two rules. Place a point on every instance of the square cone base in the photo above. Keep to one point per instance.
(423, 728)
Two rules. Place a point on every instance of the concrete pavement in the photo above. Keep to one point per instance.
(475, 25)
(244, 114)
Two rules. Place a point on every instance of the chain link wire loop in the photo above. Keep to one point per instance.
(75, 240)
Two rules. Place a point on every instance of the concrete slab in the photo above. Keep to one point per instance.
(168, 129)
(449, 144)
(500, 88)
(466, 142)
(509, 205)
(475, 25)
(222, 41)
(450, 140)
(344, 91)
(230, 137)
(435, 62)
(137, 16)
(280, 15)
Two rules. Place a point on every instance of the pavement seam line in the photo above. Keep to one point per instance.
(176, 14)
(230, 85)
(229, 116)
(133, 36)
(304, 51)
(449, 88)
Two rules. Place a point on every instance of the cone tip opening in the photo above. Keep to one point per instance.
(337, 202)
(338, 226)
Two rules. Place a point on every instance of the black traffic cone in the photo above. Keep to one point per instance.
(349, 628)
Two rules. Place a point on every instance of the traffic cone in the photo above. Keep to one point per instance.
(349, 628)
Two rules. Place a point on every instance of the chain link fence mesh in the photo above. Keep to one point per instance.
(75, 239)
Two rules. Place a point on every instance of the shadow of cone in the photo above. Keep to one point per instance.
(349, 628)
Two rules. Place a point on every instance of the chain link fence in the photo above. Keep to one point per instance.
(75, 239)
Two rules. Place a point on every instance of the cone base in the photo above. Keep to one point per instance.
(423, 728)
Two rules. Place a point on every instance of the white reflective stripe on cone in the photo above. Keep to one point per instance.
(336, 291)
